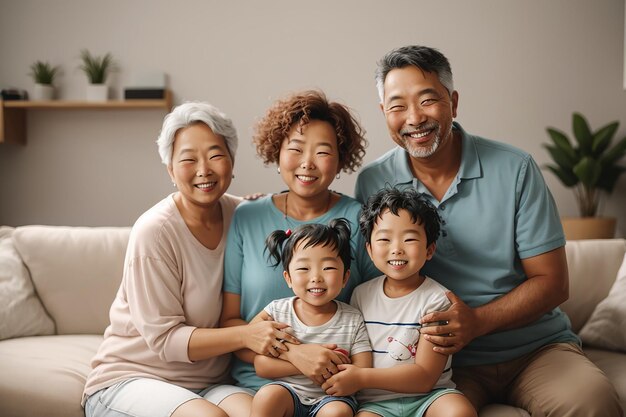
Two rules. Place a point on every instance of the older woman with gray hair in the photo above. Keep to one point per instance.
(162, 354)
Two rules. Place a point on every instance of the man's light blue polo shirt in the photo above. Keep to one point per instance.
(496, 212)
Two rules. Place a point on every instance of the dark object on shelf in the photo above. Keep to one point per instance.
(14, 94)
(144, 93)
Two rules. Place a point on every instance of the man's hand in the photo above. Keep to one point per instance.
(346, 382)
(453, 329)
(316, 362)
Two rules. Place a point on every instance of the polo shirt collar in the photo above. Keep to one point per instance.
(470, 161)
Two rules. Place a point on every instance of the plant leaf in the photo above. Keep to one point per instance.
(96, 68)
(616, 153)
(588, 170)
(43, 72)
(609, 177)
(561, 157)
(567, 177)
(602, 138)
(582, 133)
(563, 143)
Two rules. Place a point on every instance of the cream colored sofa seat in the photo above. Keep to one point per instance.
(76, 273)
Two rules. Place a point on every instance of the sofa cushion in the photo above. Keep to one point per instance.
(613, 364)
(593, 266)
(21, 312)
(606, 328)
(45, 375)
(76, 272)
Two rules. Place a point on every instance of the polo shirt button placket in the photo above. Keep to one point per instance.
(444, 233)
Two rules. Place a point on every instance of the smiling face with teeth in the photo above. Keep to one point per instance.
(201, 166)
(419, 110)
(316, 275)
(309, 159)
(398, 247)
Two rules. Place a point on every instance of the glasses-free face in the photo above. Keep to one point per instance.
(418, 110)
(309, 158)
(316, 275)
(398, 246)
(201, 166)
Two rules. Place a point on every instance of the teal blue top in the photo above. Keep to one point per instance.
(247, 271)
(497, 211)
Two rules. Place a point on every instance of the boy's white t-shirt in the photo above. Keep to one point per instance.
(345, 329)
(393, 327)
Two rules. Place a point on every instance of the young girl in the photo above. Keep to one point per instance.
(316, 263)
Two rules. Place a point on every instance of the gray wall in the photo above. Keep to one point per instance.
(519, 66)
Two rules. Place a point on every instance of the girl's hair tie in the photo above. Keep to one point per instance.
(288, 232)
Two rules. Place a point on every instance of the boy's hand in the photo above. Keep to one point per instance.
(346, 382)
(450, 330)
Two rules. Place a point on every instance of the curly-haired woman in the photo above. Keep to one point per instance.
(311, 140)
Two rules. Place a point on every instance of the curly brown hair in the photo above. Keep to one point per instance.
(301, 108)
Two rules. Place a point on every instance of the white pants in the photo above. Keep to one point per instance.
(144, 397)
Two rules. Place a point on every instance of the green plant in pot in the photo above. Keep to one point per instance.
(589, 165)
(43, 74)
(97, 68)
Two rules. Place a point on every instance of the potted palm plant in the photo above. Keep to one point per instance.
(97, 68)
(590, 166)
(43, 74)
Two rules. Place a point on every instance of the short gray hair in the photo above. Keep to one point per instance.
(425, 58)
(188, 114)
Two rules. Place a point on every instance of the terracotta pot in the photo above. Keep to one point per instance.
(578, 228)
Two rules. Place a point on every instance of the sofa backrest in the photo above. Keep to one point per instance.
(593, 266)
(76, 272)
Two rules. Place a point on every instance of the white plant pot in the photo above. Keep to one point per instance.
(97, 92)
(43, 92)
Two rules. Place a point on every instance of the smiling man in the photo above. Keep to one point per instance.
(500, 251)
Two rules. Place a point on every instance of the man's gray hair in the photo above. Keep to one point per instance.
(425, 58)
(188, 114)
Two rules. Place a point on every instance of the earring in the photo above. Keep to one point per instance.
(278, 170)
(338, 175)
(233, 176)
(173, 184)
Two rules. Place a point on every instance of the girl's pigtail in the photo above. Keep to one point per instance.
(274, 244)
(341, 227)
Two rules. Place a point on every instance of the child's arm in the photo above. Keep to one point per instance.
(272, 368)
(362, 360)
(418, 377)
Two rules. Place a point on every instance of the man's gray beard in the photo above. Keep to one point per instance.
(421, 152)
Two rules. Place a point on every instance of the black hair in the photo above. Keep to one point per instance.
(423, 57)
(336, 235)
(393, 199)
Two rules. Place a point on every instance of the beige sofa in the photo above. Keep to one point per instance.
(75, 272)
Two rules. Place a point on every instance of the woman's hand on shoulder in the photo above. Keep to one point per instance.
(253, 196)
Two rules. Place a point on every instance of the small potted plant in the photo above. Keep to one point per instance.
(591, 167)
(97, 68)
(43, 74)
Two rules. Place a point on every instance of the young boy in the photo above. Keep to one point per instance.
(408, 378)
